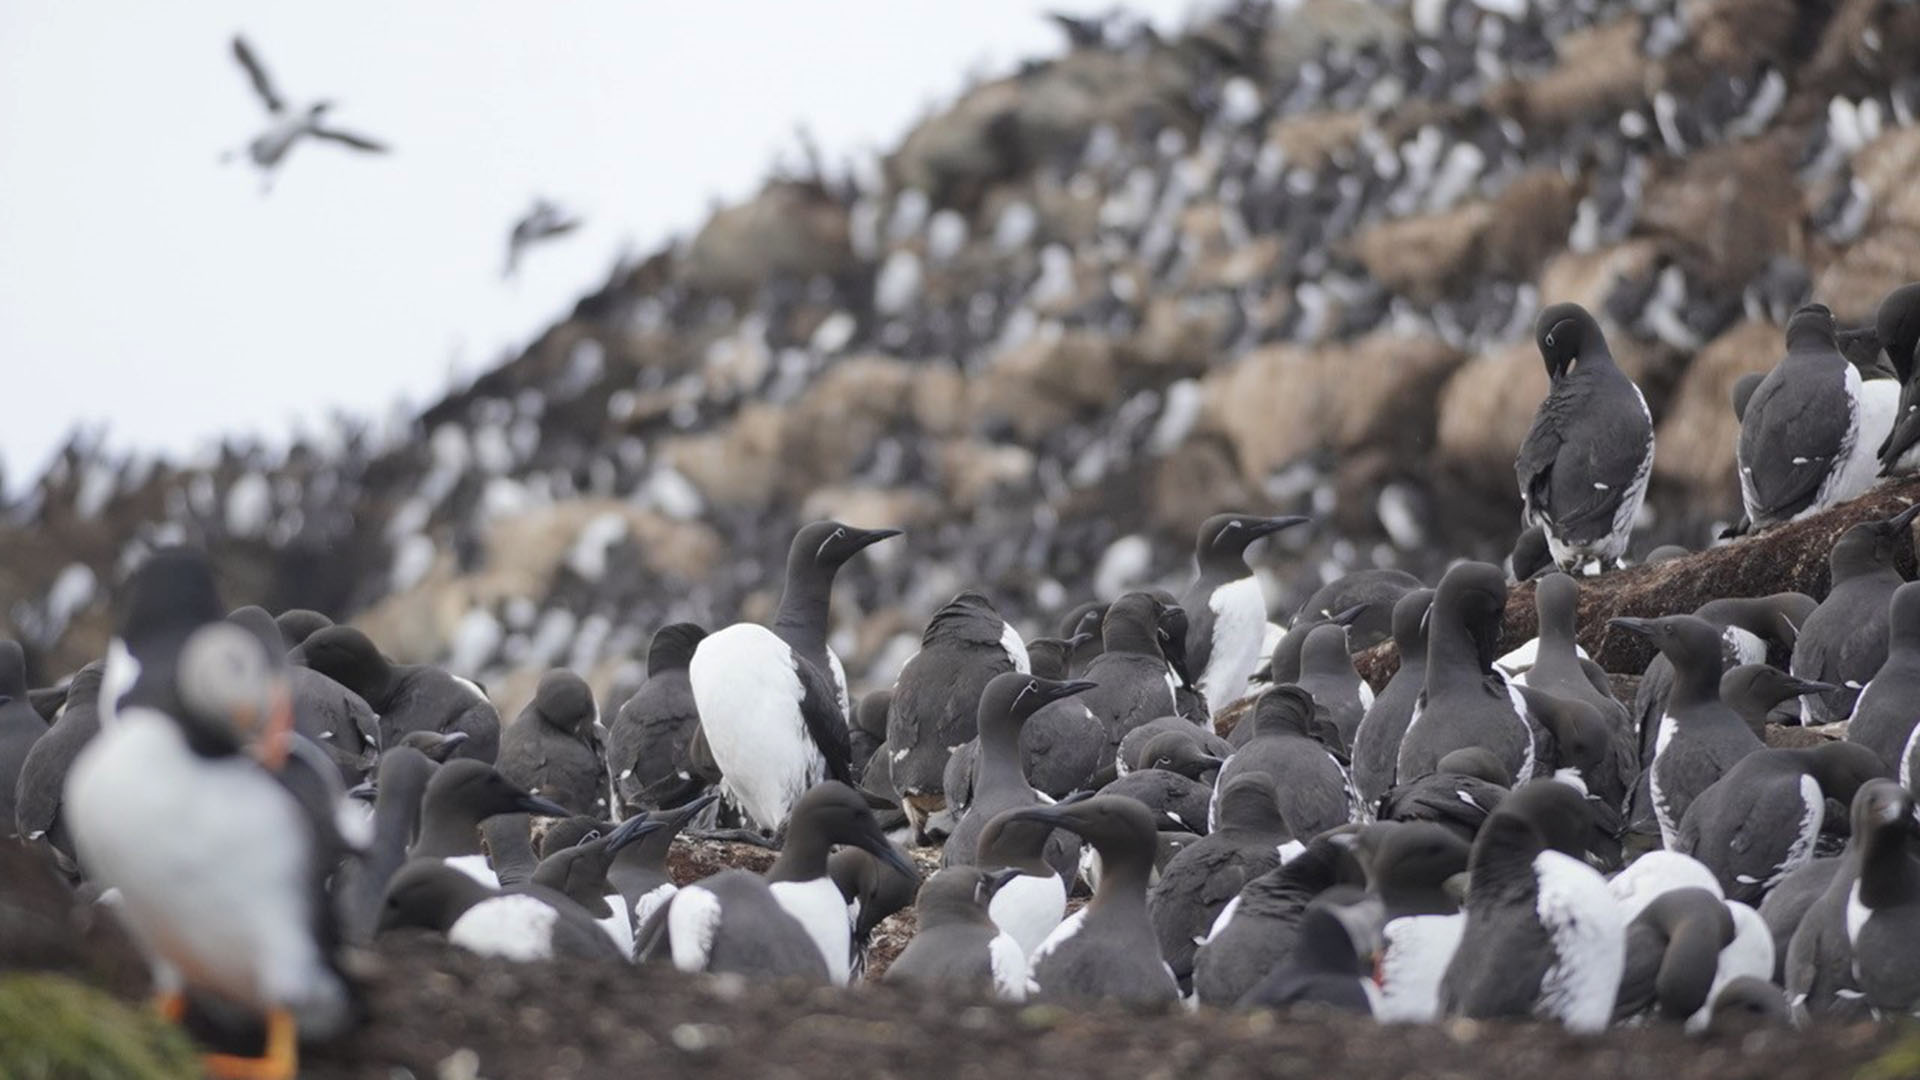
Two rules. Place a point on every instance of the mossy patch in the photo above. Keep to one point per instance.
(53, 1028)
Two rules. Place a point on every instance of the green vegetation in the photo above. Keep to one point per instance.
(54, 1028)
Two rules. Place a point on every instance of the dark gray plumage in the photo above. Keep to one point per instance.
(1699, 736)
(1559, 670)
(41, 788)
(1326, 672)
(407, 697)
(1466, 701)
(1256, 931)
(1672, 955)
(1331, 963)
(1226, 610)
(1314, 792)
(431, 895)
(755, 935)
(1367, 598)
(1199, 881)
(1060, 745)
(1883, 909)
(1759, 822)
(1897, 324)
(1787, 904)
(361, 881)
(551, 748)
(1756, 690)
(1132, 682)
(1883, 717)
(648, 741)
(639, 870)
(1133, 747)
(999, 784)
(20, 727)
(937, 697)
(1172, 783)
(1584, 465)
(1820, 974)
(462, 795)
(1799, 426)
(1844, 641)
(954, 947)
(1458, 795)
(1376, 746)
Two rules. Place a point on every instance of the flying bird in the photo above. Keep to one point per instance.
(289, 125)
(543, 222)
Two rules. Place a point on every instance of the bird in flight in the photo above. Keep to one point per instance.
(543, 222)
(288, 126)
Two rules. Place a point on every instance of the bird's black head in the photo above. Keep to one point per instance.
(428, 894)
(1017, 697)
(1557, 814)
(1178, 752)
(1411, 854)
(1898, 326)
(437, 746)
(1811, 326)
(1567, 335)
(1683, 639)
(829, 544)
(672, 647)
(299, 624)
(350, 658)
(1225, 537)
(1410, 622)
(837, 814)
(171, 593)
(1477, 762)
(1285, 708)
(1474, 596)
(565, 701)
(477, 791)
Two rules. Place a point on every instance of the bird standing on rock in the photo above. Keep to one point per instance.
(1799, 427)
(1844, 641)
(1584, 466)
(1228, 612)
(773, 701)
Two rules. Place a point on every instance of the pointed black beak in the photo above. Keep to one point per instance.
(1809, 686)
(632, 829)
(1349, 616)
(999, 879)
(1077, 640)
(1067, 688)
(365, 789)
(1638, 627)
(1905, 517)
(1275, 524)
(877, 846)
(870, 537)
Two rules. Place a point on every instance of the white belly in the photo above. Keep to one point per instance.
(1418, 950)
(511, 927)
(1239, 625)
(1028, 908)
(820, 908)
(748, 695)
(209, 857)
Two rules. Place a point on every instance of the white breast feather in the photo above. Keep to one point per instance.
(1812, 816)
(1589, 943)
(1751, 952)
(651, 900)
(1525, 772)
(1009, 964)
(1418, 950)
(1669, 828)
(1877, 404)
(227, 892)
(475, 867)
(839, 673)
(819, 907)
(693, 918)
(1857, 914)
(1239, 623)
(1028, 908)
(1061, 935)
(511, 927)
(619, 926)
(1656, 873)
(1220, 921)
(748, 695)
(1016, 647)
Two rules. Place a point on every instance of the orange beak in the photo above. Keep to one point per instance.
(276, 735)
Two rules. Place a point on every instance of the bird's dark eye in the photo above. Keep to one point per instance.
(1549, 339)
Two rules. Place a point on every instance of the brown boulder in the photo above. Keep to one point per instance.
(789, 228)
(1599, 74)
(1485, 411)
(1729, 210)
(1426, 258)
(736, 465)
(1696, 437)
(1888, 252)
(1045, 381)
(1529, 224)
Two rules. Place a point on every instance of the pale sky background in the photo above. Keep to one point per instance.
(147, 286)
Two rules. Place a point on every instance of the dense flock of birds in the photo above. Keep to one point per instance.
(1489, 836)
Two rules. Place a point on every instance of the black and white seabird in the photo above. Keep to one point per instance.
(462, 795)
(1559, 670)
(1106, 950)
(648, 740)
(874, 891)
(828, 814)
(1822, 971)
(1199, 881)
(1412, 868)
(361, 881)
(1788, 903)
(1029, 905)
(1755, 691)
(773, 700)
(543, 221)
(1061, 746)
(40, 791)
(299, 624)
(178, 805)
(1134, 746)
(1844, 641)
(1458, 795)
(289, 125)
(1283, 665)
(1326, 672)
(1228, 612)
(639, 871)
(1759, 822)
(1800, 425)
(1365, 599)
(1584, 466)
(1467, 701)
(20, 727)
(1655, 874)
(552, 748)
(1132, 680)
(1897, 324)
(1376, 746)
(936, 699)
(1000, 784)
(525, 922)
(1315, 794)
(868, 732)
(1746, 1004)
(957, 946)
(1530, 554)
(408, 697)
(1331, 963)
(578, 872)
(1672, 956)
(1256, 931)
(1543, 937)
(731, 923)
(1883, 906)
(1883, 717)
(1699, 737)
(1174, 786)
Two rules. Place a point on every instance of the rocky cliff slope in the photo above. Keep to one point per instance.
(1286, 259)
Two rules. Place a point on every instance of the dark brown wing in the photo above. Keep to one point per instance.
(262, 85)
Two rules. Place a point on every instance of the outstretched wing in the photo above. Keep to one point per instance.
(262, 85)
(347, 139)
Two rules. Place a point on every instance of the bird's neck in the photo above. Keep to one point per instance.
(802, 858)
(801, 620)
(1000, 764)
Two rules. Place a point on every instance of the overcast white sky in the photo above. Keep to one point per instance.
(146, 285)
